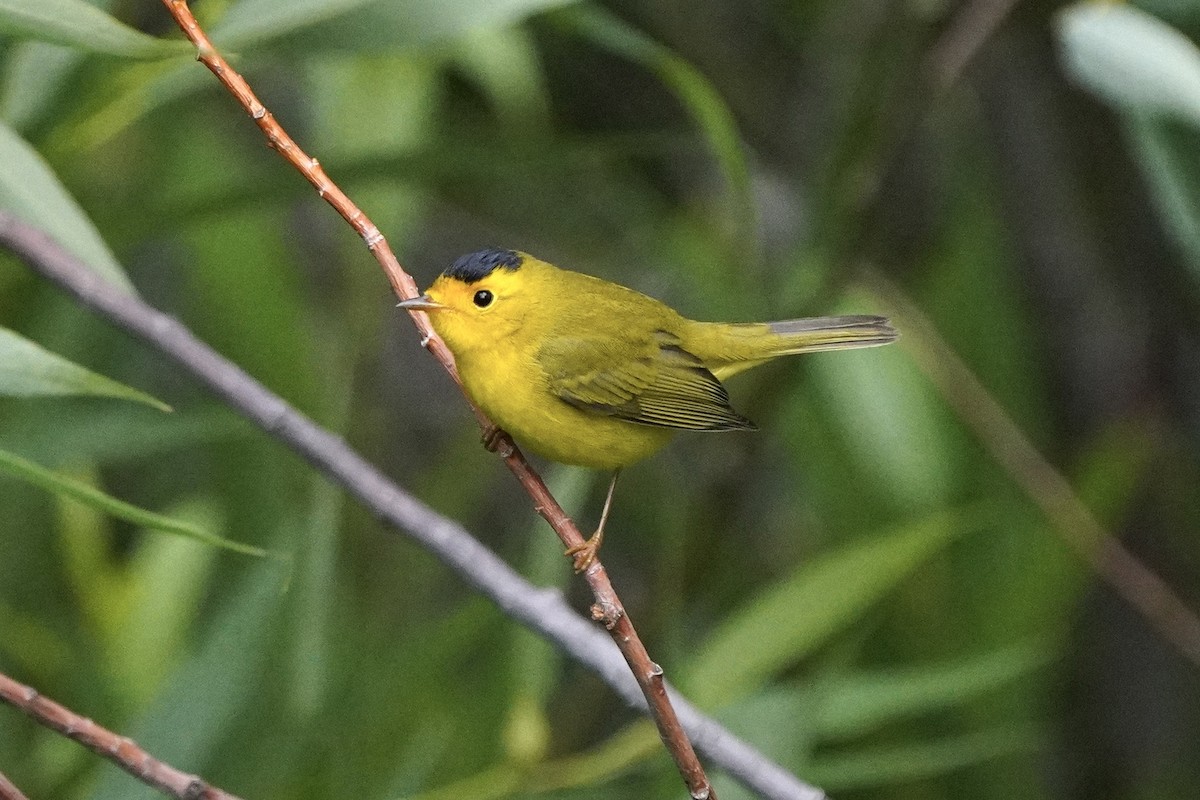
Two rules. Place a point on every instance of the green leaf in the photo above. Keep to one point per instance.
(34, 74)
(790, 619)
(852, 705)
(253, 22)
(504, 65)
(91, 496)
(31, 190)
(79, 24)
(890, 765)
(359, 25)
(1167, 156)
(29, 370)
(898, 428)
(1144, 67)
(164, 581)
(118, 433)
(1132, 59)
(315, 578)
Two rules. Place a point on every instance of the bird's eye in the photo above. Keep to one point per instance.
(483, 298)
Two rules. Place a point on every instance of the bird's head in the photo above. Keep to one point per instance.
(483, 297)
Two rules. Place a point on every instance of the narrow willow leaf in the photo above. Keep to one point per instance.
(34, 73)
(165, 580)
(29, 370)
(1167, 156)
(900, 431)
(76, 23)
(119, 433)
(366, 25)
(1133, 60)
(856, 704)
(891, 765)
(1144, 67)
(253, 22)
(89, 495)
(31, 190)
(504, 65)
(790, 619)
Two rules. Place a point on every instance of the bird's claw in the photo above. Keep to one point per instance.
(583, 555)
(492, 437)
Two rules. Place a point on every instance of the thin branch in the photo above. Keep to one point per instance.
(123, 752)
(542, 610)
(608, 607)
(9, 790)
(1140, 586)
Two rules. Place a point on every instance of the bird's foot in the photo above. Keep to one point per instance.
(584, 555)
(493, 437)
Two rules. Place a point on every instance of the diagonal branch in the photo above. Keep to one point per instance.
(123, 752)
(9, 790)
(542, 610)
(608, 607)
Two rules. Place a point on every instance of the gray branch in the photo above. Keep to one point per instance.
(543, 610)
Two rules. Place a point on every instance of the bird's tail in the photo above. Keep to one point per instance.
(815, 334)
(729, 349)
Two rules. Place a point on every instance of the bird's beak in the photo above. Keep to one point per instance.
(422, 303)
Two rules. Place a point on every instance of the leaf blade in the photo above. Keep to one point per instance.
(30, 189)
(64, 486)
(1131, 59)
(29, 370)
(835, 589)
(81, 25)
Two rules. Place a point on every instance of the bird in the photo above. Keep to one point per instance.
(587, 372)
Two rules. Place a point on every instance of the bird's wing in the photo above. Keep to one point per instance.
(649, 380)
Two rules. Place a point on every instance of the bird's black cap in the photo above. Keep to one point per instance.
(477, 266)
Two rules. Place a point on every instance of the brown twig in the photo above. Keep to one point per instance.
(608, 608)
(9, 790)
(123, 752)
(1140, 586)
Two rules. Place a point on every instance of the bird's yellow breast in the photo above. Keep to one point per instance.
(508, 384)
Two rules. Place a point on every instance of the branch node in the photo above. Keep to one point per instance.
(195, 790)
(372, 237)
(607, 613)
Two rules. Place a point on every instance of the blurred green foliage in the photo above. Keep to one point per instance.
(859, 588)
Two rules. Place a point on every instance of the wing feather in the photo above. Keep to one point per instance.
(649, 380)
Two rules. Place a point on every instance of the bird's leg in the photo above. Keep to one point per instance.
(584, 554)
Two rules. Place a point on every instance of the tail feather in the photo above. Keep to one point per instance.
(814, 334)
